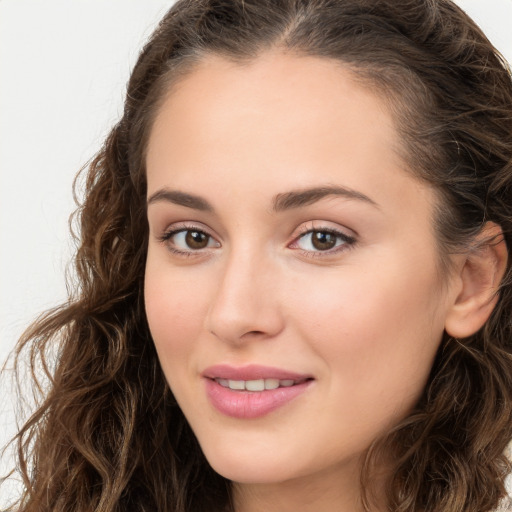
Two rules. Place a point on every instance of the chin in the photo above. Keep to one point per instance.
(250, 468)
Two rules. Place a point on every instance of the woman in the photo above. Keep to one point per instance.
(294, 276)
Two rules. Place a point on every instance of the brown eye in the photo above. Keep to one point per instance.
(323, 240)
(188, 240)
(196, 239)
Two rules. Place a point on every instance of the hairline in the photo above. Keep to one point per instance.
(376, 79)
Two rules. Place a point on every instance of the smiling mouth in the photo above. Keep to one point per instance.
(252, 391)
(258, 384)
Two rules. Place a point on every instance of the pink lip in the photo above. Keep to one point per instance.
(251, 404)
(251, 372)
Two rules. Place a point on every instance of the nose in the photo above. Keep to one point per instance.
(246, 304)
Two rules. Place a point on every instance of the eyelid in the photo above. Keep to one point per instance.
(319, 225)
(179, 227)
(349, 240)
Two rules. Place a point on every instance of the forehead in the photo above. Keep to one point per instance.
(275, 100)
(277, 123)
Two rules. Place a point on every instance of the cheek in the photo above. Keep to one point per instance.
(369, 306)
(174, 310)
(377, 332)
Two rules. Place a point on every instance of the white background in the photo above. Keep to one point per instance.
(63, 70)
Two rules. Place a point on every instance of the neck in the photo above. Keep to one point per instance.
(329, 491)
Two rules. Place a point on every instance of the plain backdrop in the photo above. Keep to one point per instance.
(63, 70)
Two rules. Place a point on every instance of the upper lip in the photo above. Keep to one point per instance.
(251, 372)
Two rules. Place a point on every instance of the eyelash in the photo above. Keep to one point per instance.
(167, 236)
(347, 241)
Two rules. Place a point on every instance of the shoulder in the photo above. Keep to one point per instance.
(506, 506)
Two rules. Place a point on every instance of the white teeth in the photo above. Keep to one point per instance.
(237, 384)
(271, 383)
(255, 385)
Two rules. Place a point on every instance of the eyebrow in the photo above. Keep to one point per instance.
(298, 198)
(282, 202)
(181, 199)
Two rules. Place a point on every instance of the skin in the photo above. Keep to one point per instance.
(364, 319)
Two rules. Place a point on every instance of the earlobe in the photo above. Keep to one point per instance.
(479, 277)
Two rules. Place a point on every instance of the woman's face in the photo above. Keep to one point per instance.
(289, 250)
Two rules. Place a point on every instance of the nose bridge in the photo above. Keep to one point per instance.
(246, 300)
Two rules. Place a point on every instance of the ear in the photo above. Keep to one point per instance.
(478, 278)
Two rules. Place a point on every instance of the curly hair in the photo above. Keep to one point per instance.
(108, 435)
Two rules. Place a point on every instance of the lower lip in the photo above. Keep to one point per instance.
(251, 404)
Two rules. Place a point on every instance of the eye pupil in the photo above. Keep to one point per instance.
(323, 240)
(196, 239)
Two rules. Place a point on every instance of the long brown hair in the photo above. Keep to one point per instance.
(108, 435)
